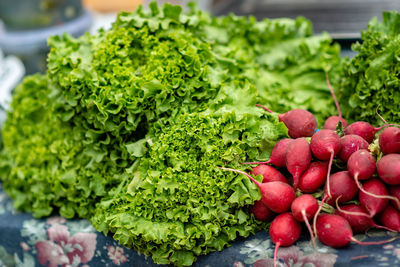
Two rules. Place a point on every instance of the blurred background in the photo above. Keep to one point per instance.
(25, 25)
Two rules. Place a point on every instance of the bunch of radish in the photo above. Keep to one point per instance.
(299, 180)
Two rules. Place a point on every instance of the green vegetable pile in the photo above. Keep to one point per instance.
(371, 79)
(178, 204)
(128, 126)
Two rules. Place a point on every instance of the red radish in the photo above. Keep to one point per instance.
(342, 186)
(300, 122)
(298, 158)
(361, 165)
(389, 140)
(350, 144)
(335, 231)
(395, 191)
(269, 174)
(261, 212)
(314, 177)
(284, 231)
(374, 197)
(332, 122)
(364, 129)
(389, 169)
(277, 154)
(304, 209)
(277, 196)
(358, 218)
(390, 218)
(325, 144)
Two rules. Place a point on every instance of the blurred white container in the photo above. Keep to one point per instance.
(12, 72)
(31, 45)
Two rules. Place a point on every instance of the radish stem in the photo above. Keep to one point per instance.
(395, 199)
(380, 116)
(241, 172)
(303, 213)
(316, 215)
(333, 95)
(267, 109)
(328, 187)
(276, 253)
(372, 242)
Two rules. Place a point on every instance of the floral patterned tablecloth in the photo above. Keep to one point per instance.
(55, 241)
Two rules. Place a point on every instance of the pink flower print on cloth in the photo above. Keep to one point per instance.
(62, 249)
(293, 256)
(116, 254)
(56, 220)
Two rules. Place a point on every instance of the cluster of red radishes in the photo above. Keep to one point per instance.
(309, 163)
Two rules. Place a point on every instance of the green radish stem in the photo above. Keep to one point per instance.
(327, 208)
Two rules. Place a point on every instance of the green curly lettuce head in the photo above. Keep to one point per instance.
(149, 65)
(154, 63)
(281, 57)
(371, 79)
(178, 203)
(45, 166)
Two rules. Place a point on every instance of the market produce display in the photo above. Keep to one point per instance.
(177, 133)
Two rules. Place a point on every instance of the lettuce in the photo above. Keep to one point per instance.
(281, 57)
(45, 164)
(178, 204)
(127, 126)
(371, 79)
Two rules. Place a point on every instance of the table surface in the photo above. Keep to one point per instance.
(55, 241)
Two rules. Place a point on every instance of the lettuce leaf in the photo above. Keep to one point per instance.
(371, 79)
(178, 204)
(45, 165)
(281, 57)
